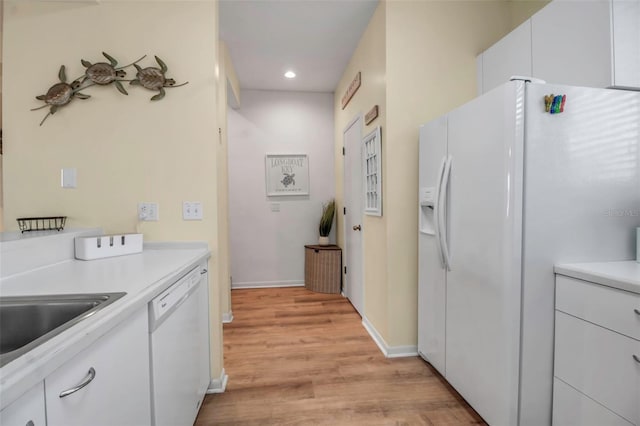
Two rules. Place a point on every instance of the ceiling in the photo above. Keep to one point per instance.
(314, 38)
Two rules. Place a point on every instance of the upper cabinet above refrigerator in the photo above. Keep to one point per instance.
(508, 57)
(581, 43)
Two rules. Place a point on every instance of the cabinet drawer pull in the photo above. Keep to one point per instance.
(637, 311)
(91, 374)
(30, 423)
(637, 358)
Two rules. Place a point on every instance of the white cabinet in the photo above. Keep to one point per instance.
(28, 410)
(571, 43)
(626, 43)
(579, 43)
(119, 392)
(508, 57)
(573, 408)
(597, 354)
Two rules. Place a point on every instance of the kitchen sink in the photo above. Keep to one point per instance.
(28, 321)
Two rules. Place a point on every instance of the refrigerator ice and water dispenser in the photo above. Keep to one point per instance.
(426, 220)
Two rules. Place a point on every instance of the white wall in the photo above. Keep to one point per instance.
(267, 248)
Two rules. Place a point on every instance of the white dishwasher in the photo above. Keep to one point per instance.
(179, 333)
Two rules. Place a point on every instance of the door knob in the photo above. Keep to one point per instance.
(357, 228)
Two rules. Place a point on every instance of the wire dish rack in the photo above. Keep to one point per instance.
(51, 223)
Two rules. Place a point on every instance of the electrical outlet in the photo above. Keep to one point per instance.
(148, 212)
(192, 210)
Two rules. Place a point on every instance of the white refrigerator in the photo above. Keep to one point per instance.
(506, 190)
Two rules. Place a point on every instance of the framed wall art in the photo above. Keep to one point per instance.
(287, 174)
(372, 156)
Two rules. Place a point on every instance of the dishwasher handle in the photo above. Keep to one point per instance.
(164, 305)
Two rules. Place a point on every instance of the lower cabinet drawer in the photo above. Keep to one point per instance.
(599, 363)
(609, 307)
(571, 408)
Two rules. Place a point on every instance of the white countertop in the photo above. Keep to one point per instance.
(142, 276)
(624, 275)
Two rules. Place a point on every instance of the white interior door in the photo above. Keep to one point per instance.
(353, 285)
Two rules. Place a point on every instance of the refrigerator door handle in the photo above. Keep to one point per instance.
(436, 218)
(442, 213)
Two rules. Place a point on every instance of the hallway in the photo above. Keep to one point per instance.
(298, 357)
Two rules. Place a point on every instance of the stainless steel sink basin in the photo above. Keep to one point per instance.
(28, 321)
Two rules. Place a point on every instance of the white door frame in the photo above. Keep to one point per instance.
(359, 117)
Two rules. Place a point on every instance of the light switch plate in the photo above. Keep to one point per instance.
(69, 178)
(192, 210)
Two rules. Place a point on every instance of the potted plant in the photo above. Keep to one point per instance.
(326, 222)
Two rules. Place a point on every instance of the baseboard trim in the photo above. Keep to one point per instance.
(227, 317)
(267, 284)
(388, 351)
(218, 385)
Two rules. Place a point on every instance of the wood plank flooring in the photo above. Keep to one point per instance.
(295, 357)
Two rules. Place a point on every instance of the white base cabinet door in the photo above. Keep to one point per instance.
(28, 410)
(115, 375)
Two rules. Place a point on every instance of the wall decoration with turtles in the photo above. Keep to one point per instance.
(103, 74)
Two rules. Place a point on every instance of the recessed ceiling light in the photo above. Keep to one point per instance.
(290, 74)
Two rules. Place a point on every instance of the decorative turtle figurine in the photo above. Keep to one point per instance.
(103, 73)
(60, 94)
(154, 79)
(289, 179)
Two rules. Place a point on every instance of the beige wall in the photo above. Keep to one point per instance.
(126, 149)
(370, 59)
(521, 10)
(424, 55)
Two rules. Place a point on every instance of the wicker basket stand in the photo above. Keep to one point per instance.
(322, 268)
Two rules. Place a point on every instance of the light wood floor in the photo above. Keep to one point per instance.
(295, 357)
